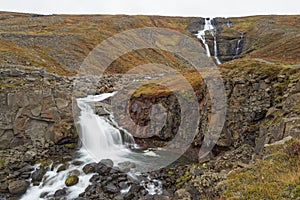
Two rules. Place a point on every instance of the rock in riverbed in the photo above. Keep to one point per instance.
(71, 180)
(17, 187)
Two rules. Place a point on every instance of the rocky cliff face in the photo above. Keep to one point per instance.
(257, 96)
(35, 105)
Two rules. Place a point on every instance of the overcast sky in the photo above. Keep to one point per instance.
(204, 8)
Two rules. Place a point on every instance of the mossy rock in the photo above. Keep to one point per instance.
(71, 145)
(71, 180)
(77, 162)
(89, 168)
(62, 168)
(44, 162)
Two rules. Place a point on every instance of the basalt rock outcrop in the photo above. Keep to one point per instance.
(262, 107)
(35, 105)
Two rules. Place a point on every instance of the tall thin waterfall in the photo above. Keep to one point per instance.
(201, 35)
(238, 46)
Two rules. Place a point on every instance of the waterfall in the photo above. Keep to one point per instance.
(238, 46)
(101, 139)
(201, 35)
(216, 51)
(98, 136)
(228, 23)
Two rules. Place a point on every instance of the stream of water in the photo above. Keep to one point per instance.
(201, 35)
(101, 139)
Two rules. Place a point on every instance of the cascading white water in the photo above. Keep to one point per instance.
(201, 35)
(101, 139)
(228, 23)
(238, 46)
(98, 136)
(216, 51)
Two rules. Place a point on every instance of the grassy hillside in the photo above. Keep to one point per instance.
(60, 43)
(273, 38)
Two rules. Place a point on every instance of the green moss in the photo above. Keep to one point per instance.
(71, 145)
(184, 179)
(44, 162)
(71, 180)
(296, 192)
(270, 178)
(170, 172)
(180, 184)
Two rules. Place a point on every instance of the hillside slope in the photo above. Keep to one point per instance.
(60, 43)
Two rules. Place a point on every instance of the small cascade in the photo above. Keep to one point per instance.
(228, 23)
(201, 35)
(216, 51)
(101, 139)
(239, 46)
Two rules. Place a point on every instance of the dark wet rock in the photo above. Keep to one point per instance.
(115, 170)
(126, 166)
(95, 178)
(123, 185)
(104, 166)
(71, 180)
(38, 175)
(62, 168)
(3, 187)
(44, 194)
(129, 196)
(60, 193)
(90, 168)
(77, 162)
(67, 158)
(111, 188)
(17, 187)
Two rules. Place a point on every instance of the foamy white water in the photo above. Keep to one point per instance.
(201, 35)
(238, 46)
(101, 139)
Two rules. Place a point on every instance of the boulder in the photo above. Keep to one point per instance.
(38, 175)
(62, 168)
(18, 187)
(104, 166)
(111, 188)
(71, 180)
(60, 193)
(90, 168)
